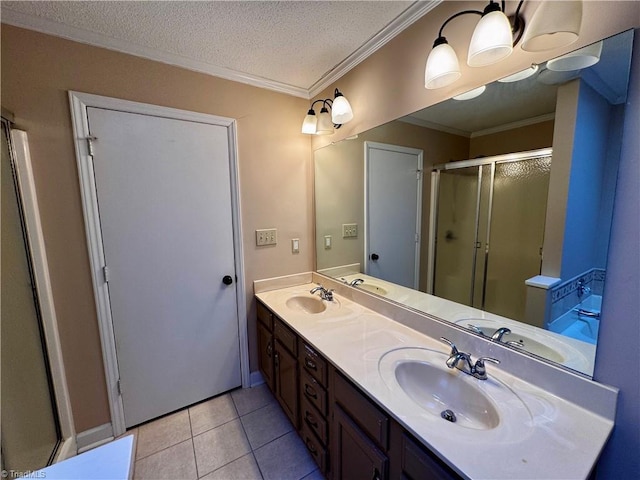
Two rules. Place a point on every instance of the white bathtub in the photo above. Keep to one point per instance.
(581, 327)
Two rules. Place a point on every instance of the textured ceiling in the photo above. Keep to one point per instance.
(292, 42)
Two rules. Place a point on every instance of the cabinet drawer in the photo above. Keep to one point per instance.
(286, 337)
(265, 316)
(314, 420)
(313, 392)
(313, 363)
(369, 417)
(315, 448)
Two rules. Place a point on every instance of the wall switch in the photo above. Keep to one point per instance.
(266, 236)
(295, 245)
(327, 242)
(349, 230)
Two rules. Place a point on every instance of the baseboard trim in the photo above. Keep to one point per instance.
(256, 379)
(94, 437)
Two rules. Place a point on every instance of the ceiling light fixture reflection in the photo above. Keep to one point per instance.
(582, 58)
(324, 124)
(476, 92)
(523, 74)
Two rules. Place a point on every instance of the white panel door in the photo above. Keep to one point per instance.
(164, 198)
(393, 212)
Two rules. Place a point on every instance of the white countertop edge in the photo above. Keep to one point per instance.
(565, 444)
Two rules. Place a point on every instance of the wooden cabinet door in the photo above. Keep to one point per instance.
(266, 354)
(286, 368)
(354, 455)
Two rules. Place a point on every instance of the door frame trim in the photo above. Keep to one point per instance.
(79, 102)
(418, 221)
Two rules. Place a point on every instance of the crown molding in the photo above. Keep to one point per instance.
(43, 25)
(412, 14)
(510, 126)
(434, 126)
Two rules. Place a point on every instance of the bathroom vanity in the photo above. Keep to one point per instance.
(366, 385)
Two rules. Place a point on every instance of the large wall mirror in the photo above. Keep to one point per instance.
(491, 210)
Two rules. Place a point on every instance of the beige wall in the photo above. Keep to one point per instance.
(274, 161)
(530, 137)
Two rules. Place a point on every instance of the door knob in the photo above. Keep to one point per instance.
(375, 256)
(227, 280)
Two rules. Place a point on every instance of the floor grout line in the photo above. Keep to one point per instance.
(193, 445)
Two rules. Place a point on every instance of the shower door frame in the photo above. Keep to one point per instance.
(23, 171)
(433, 214)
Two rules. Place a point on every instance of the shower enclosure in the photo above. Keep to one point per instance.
(487, 229)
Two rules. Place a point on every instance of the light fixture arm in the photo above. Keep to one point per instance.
(517, 25)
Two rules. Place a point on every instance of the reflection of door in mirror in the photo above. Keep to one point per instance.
(30, 432)
(393, 213)
(490, 216)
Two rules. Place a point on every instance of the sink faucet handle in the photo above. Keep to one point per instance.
(454, 349)
(479, 369)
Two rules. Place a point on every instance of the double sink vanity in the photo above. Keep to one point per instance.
(378, 390)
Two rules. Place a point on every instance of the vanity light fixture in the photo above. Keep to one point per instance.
(496, 34)
(324, 123)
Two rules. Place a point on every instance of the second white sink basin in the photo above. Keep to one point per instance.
(444, 390)
(449, 397)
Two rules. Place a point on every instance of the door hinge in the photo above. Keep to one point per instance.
(105, 274)
(119, 387)
(90, 140)
(417, 237)
(418, 174)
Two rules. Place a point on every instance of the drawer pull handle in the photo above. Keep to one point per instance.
(311, 448)
(310, 364)
(269, 349)
(311, 420)
(376, 475)
(308, 390)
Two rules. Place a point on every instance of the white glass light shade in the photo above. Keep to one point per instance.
(341, 110)
(554, 24)
(442, 67)
(309, 124)
(581, 58)
(516, 77)
(324, 125)
(492, 40)
(476, 92)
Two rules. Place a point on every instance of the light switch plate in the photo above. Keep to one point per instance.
(295, 245)
(266, 236)
(327, 242)
(349, 230)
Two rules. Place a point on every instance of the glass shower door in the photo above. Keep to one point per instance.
(518, 211)
(456, 234)
(30, 432)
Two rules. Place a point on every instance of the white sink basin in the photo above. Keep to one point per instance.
(478, 406)
(438, 390)
(307, 304)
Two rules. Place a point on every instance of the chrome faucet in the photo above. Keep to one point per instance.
(499, 333)
(324, 293)
(477, 369)
(356, 282)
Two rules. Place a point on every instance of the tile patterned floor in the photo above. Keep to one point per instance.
(241, 435)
